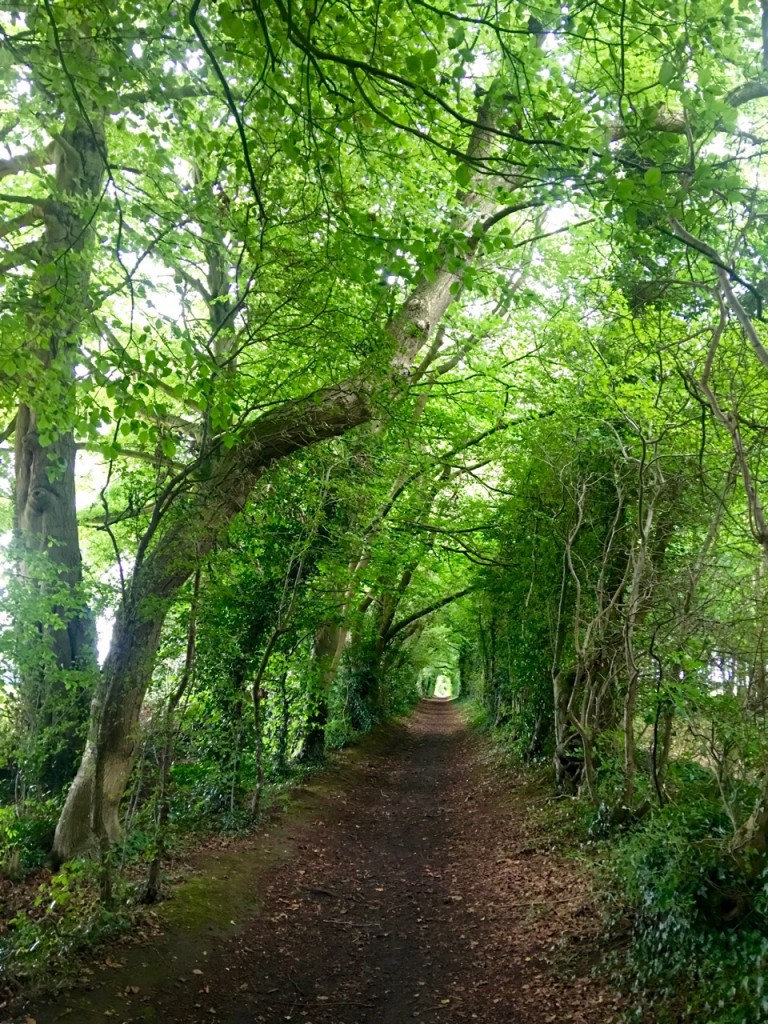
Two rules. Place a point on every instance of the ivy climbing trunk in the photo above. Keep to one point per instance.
(327, 650)
(56, 647)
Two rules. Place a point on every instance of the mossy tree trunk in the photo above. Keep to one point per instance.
(56, 637)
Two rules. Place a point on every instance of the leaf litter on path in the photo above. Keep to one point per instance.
(419, 886)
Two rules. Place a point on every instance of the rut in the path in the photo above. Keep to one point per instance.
(417, 890)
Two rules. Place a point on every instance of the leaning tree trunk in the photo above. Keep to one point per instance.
(160, 574)
(49, 577)
(156, 581)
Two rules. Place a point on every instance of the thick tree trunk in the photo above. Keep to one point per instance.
(157, 579)
(162, 797)
(313, 750)
(113, 735)
(327, 650)
(45, 520)
(57, 662)
(230, 479)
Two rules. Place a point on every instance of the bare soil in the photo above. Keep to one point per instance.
(415, 882)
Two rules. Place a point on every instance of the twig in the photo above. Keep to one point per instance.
(545, 903)
(365, 925)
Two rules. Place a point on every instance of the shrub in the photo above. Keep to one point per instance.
(65, 918)
(699, 949)
(26, 836)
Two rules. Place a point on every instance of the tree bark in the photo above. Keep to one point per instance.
(45, 514)
(167, 558)
(327, 651)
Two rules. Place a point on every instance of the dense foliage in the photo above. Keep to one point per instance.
(345, 348)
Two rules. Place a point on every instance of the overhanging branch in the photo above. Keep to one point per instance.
(25, 162)
(404, 623)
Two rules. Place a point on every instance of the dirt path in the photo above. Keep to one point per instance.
(416, 889)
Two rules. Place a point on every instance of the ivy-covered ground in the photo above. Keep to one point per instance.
(415, 881)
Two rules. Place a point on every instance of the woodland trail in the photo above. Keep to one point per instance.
(419, 889)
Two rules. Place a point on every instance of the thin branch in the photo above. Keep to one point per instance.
(304, 43)
(102, 327)
(9, 431)
(27, 253)
(404, 623)
(9, 197)
(103, 520)
(507, 211)
(182, 92)
(430, 356)
(741, 315)
(726, 273)
(152, 458)
(176, 268)
(232, 106)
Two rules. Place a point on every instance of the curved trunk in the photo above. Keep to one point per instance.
(113, 734)
(156, 581)
(224, 491)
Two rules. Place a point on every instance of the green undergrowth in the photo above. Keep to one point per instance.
(475, 714)
(564, 822)
(686, 923)
(689, 925)
(49, 922)
(698, 922)
(26, 836)
(61, 918)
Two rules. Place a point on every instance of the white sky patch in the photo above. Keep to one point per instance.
(91, 472)
(716, 147)
(479, 68)
(559, 217)
(183, 171)
(105, 624)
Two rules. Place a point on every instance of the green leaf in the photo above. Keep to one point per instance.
(652, 176)
(463, 175)
(231, 24)
(667, 72)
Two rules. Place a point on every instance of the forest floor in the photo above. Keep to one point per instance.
(413, 881)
